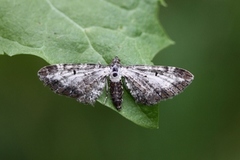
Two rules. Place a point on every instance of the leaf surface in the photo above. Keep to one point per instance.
(87, 31)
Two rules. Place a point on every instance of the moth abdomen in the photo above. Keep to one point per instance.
(116, 91)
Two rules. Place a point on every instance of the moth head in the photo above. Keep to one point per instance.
(116, 60)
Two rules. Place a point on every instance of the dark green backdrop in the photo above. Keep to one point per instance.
(200, 124)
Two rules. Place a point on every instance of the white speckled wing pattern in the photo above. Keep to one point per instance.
(147, 84)
(85, 82)
(151, 84)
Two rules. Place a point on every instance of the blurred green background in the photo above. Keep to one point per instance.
(202, 123)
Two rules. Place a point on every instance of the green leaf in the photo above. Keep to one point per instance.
(87, 31)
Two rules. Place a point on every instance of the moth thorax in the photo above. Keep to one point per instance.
(115, 75)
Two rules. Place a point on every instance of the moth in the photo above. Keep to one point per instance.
(85, 82)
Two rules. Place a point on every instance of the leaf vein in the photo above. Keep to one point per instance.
(71, 21)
